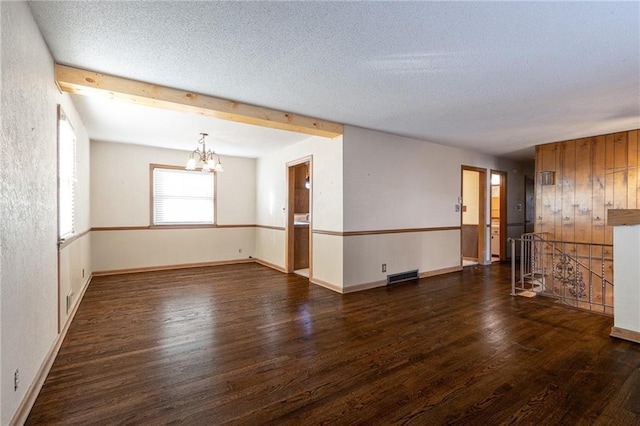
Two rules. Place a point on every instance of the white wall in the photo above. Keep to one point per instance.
(74, 274)
(326, 212)
(75, 258)
(28, 256)
(120, 198)
(393, 182)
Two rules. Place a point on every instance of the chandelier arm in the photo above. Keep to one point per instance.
(208, 157)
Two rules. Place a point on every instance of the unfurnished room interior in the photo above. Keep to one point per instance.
(420, 213)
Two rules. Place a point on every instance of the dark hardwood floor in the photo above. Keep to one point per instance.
(247, 345)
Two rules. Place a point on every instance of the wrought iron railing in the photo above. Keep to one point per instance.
(578, 274)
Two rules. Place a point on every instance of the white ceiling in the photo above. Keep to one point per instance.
(494, 77)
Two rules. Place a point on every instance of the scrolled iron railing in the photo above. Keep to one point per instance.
(578, 274)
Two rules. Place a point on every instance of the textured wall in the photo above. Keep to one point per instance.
(28, 211)
(28, 257)
(326, 205)
(120, 189)
(393, 182)
(120, 184)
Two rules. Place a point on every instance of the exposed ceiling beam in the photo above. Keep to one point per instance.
(83, 82)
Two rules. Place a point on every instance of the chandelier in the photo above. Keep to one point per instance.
(209, 159)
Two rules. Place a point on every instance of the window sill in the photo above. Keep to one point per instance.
(68, 239)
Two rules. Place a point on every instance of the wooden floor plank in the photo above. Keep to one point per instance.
(243, 344)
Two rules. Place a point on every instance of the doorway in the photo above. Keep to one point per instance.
(529, 204)
(498, 216)
(299, 203)
(473, 220)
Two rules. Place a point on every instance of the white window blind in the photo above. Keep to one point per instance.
(66, 177)
(182, 197)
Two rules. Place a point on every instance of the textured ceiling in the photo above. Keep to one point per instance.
(494, 77)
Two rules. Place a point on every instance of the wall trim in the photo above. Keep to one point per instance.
(156, 227)
(67, 241)
(276, 228)
(170, 267)
(364, 286)
(383, 283)
(401, 231)
(270, 265)
(386, 231)
(326, 284)
(332, 233)
(441, 271)
(22, 413)
(622, 333)
(120, 228)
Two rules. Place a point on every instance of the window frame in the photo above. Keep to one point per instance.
(152, 224)
(61, 116)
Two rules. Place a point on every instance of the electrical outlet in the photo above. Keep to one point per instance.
(384, 267)
(16, 380)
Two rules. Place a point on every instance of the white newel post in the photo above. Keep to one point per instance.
(626, 273)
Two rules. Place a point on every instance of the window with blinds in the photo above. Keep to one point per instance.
(66, 176)
(182, 197)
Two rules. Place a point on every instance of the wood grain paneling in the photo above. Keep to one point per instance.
(621, 171)
(598, 195)
(568, 192)
(609, 182)
(470, 241)
(90, 83)
(545, 195)
(301, 247)
(301, 202)
(593, 174)
(618, 217)
(583, 190)
(632, 175)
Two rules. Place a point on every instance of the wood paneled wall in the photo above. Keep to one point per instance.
(301, 193)
(592, 175)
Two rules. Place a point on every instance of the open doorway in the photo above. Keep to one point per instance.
(529, 204)
(299, 182)
(473, 220)
(498, 215)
